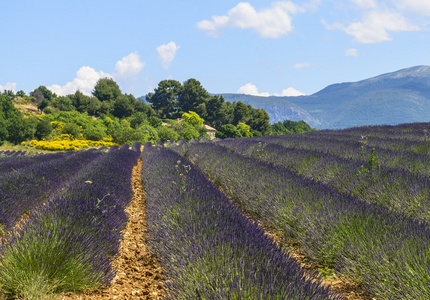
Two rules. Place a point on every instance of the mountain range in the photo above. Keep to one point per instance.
(393, 98)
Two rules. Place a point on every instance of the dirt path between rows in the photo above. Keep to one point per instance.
(138, 275)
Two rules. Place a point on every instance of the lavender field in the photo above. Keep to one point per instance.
(356, 202)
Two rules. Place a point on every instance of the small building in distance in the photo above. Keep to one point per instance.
(210, 131)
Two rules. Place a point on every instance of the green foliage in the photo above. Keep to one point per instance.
(291, 127)
(150, 133)
(18, 128)
(21, 93)
(106, 89)
(244, 130)
(72, 129)
(123, 106)
(46, 94)
(137, 119)
(62, 103)
(228, 131)
(43, 129)
(165, 98)
(193, 97)
(193, 119)
(165, 133)
(154, 121)
(94, 132)
(3, 129)
(187, 131)
(42, 105)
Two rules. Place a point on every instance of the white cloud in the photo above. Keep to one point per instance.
(85, 80)
(270, 22)
(421, 7)
(375, 24)
(10, 86)
(303, 65)
(365, 3)
(167, 53)
(290, 92)
(86, 77)
(251, 89)
(128, 66)
(351, 52)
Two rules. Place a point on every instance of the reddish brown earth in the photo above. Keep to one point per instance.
(138, 276)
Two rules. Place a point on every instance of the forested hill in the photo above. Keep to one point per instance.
(392, 98)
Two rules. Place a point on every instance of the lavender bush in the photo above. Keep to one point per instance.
(376, 247)
(207, 247)
(68, 244)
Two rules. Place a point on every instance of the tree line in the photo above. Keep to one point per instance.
(125, 118)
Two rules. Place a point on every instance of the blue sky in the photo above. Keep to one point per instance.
(255, 47)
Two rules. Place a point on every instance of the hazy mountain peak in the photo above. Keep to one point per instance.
(417, 71)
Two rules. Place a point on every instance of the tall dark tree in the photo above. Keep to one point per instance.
(260, 121)
(42, 105)
(123, 106)
(193, 95)
(106, 89)
(165, 98)
(43, 129)
(242, 113)
(47, 94)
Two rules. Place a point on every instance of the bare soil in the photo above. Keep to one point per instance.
(138, 276)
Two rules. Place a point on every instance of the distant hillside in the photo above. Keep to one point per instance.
(279, 109)
(392, 98)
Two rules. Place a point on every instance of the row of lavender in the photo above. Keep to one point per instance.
(9, 153)
(384, 251)
(395, 188)
(69, 242)
(412, 156)
(26, 182)
(207, 247)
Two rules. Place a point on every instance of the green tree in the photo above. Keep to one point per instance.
(137, 119)
(42, 105)
(72, 129)
(106, 89)
(123, 106)
(21, 93)
(62, 103)
(47, 94)
(192, 96)
(216, 111)
(165, 133)
(291, 127)
(244, 129)
(43, 129)
(93, 108)
(94, 133)
(260, 121)
(154, 121)
(228, 131)
(242, 113)
(150, 132)
(80, 101)
(193, 119)
(165, 98)
(3, 129)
